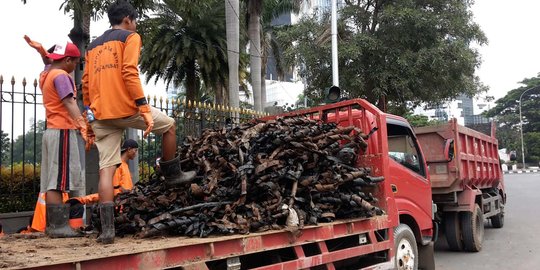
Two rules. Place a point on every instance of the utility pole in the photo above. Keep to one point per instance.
(335, 72)
(521, 126)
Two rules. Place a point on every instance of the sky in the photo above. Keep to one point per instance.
(511, 55)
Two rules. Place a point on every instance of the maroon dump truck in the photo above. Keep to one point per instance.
(399, 238)
(467, 181)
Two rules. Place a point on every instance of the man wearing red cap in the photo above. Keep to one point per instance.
(113, 91)
(61, 158)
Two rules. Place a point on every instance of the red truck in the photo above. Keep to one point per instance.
(467, 181)
(401, 238)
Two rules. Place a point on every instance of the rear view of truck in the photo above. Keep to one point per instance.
(467, 181)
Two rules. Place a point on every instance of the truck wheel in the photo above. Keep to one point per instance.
(406, 250)
(452, 231)
(497, 221)
(472, 224)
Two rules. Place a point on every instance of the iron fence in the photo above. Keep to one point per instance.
(22, 123)
(20, 145)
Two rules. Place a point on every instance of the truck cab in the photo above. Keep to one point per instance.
(394, 153)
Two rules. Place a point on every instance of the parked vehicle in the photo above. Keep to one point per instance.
(467, 181)
(401, 238)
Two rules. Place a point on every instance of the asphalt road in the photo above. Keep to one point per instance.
(515, 246)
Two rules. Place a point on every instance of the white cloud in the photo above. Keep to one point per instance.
(512, 52)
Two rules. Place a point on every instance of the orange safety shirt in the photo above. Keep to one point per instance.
(121, 182)
(111, 83)
(55, 111)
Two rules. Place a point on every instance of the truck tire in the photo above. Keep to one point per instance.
(452, 231)
(497, 221)
(472, 224)
(406, 253)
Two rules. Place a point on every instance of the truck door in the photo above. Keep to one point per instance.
(408, 174)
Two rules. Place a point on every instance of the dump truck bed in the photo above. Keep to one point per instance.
(475, 162)
(132, 253)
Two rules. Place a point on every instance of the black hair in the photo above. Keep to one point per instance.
(120, 9)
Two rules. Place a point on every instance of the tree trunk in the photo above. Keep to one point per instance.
(192, 88)
(254, 31)
(232, 9)
(80, 36)
(263, 80)
(191, 82)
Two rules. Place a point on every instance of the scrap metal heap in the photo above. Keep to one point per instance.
(283, 173)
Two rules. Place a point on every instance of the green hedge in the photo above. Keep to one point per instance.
(19, 188)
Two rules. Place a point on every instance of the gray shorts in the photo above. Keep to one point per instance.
(62, 160)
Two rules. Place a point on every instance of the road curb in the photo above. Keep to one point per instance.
(521, 171)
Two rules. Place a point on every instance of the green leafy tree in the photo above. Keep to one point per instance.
(396, 53)
(506, 112)
(185, 43)
(23, 147)
(4, 143)
(417, 120)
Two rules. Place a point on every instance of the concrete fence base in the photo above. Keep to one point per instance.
(11, 222)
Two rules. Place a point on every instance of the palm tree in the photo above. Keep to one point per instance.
(255, 11)
(232, 8)
(254, 33)
(184, 44)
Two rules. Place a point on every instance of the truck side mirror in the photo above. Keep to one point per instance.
(449, 150)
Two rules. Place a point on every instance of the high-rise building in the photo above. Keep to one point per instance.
(468, 111)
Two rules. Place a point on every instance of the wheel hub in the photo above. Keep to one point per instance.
(405, 255)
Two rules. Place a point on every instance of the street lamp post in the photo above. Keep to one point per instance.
(521, 126)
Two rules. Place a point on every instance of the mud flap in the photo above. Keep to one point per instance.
(426, 257)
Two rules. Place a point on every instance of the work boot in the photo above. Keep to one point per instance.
(106, 215)
(173, 174)
(57, 220)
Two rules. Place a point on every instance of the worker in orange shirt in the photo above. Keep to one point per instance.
(113, 91)
(62, 168)
(122, 177)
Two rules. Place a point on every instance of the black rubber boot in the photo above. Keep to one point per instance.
(106, 215)
(173, 174)
(57, 216)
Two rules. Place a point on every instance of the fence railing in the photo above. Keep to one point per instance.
(22, 116)
(191, 119)
(22, 122)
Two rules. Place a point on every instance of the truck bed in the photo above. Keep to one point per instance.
(476, 159)
(40, 252)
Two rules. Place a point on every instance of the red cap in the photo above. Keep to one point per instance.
(64, 50)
